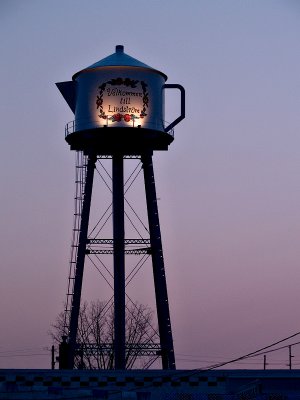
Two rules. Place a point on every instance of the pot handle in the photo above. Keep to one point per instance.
(182, 96)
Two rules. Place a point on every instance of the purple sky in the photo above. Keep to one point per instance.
(229, 187)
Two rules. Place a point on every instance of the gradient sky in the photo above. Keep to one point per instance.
(229, 187)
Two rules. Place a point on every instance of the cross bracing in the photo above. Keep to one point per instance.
(97, 247)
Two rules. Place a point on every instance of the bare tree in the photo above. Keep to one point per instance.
(95, 336)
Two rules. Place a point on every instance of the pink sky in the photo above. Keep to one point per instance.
(229, 186)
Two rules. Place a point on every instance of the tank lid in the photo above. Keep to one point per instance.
(118, 59)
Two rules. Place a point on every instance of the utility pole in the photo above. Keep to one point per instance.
(290, 356)
(265, 362)
(52, 357)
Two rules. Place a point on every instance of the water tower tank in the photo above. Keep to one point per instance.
(118, 104)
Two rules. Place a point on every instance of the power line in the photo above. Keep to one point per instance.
(278, 348)
(194, 358)
(24, 355)
(257, 352)
(176, 374)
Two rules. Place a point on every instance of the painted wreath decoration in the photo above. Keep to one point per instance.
(128, 83)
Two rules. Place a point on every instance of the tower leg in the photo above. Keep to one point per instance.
(119, 260)
(85, 215)
(161, 294)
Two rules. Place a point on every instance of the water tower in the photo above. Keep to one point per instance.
(118, 104)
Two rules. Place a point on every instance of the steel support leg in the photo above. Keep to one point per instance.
(85, 215)
(119, 260)
(161, 294)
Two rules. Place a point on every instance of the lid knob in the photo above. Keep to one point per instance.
(119, 48)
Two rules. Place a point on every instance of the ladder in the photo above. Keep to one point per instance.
(80, 176)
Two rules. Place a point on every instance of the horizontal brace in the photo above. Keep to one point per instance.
(130, 346)
(107, 348)
(146, 353)
(136, 252)
(111, 241)
(132, 156)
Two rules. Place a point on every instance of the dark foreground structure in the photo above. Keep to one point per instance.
(150, 385)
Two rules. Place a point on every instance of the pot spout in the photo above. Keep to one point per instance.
(68, 90)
